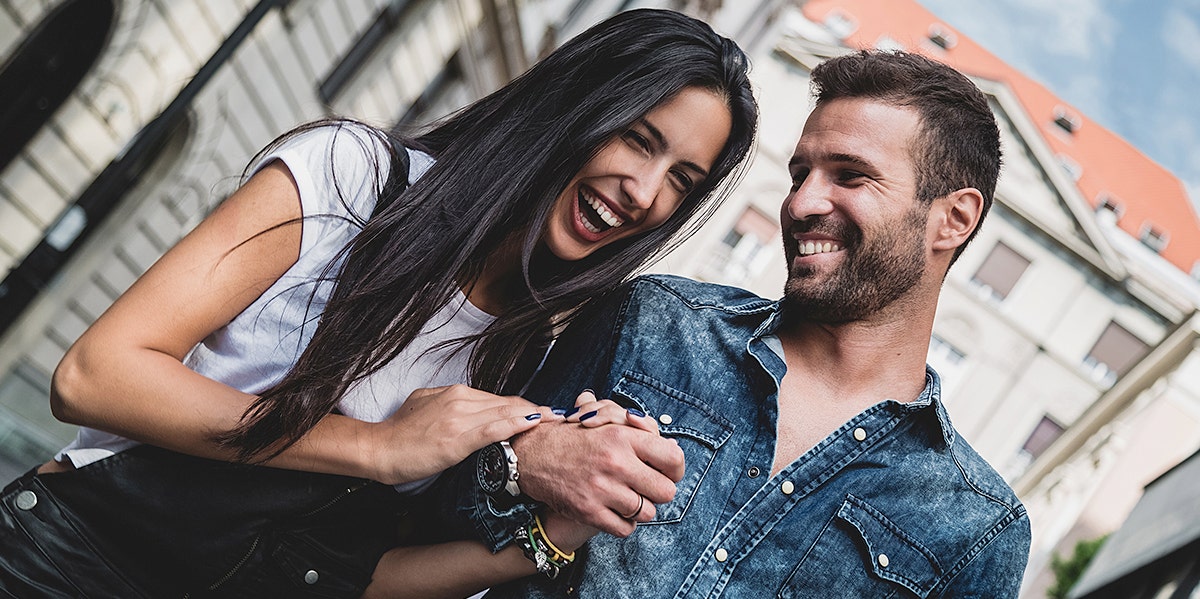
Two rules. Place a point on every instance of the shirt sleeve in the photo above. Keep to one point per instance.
(580, 359)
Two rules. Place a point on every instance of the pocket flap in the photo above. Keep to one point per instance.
(891, 553)
(677, 413)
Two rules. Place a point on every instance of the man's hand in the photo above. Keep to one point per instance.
(595, 474)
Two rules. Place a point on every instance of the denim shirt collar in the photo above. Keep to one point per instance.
(930, 397)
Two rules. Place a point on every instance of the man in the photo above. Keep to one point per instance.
(819, 458)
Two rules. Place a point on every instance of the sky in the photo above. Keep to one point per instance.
(1131, 65)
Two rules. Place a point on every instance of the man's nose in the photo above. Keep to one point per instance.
(810, 199)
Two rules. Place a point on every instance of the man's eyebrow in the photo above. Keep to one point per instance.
(797, 160)
(665, 145)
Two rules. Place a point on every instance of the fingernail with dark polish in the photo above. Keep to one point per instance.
(588, 415)
(533, 416)
(637, 412)
(559, 411)
(589, 391)
(571, 412)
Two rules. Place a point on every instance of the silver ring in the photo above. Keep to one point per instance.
(641, 504)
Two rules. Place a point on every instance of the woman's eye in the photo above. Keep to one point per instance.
(683, 181)
(638, 139)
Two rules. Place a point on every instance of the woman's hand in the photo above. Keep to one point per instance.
(439, 427)
(592, 412)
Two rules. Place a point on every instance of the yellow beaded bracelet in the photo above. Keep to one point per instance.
(541, 532)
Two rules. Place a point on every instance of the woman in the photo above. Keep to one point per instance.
(313, 321)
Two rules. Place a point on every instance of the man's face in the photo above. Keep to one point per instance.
(853, 233)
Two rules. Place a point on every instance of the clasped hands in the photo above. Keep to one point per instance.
(603, 466)
(592, 466)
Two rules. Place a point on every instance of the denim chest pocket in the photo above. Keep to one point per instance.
(863, 554)
(699, 430)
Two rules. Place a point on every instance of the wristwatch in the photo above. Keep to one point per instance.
(496, 470)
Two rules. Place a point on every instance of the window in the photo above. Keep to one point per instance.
(947, 352)
(28, 433)
(888, 43)
(1069, 166)
(740, 256)
(1044, 434)
(948, 361)
(840, 24)
(1109, 207)
(1153, 237)
(1000, 272)
(46, 67)
(388, 20)
(941, 37)
(1115, 352)
(1065, 120)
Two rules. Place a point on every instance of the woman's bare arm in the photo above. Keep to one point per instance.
(125, 373)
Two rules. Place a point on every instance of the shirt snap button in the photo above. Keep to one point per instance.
(883, 560)
(753, 472)
(26, 500)
(787, 487)
(721, 555)
(311, 577)
(860, 434)
(666, 419)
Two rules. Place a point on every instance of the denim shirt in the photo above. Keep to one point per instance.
(891, 504)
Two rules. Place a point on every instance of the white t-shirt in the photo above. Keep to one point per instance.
(257, 348)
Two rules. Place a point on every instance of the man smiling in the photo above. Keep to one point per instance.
(820, 461)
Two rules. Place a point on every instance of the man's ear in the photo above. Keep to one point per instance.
(955, 217)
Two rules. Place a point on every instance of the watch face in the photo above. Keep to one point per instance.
(490, 469)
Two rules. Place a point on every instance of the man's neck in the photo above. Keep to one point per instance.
(860, 358)
(834, 372)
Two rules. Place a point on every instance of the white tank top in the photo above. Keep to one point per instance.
(257, 348)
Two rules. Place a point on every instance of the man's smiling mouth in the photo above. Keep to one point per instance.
(808, 248)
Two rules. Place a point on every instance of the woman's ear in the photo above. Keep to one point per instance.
(956, 215)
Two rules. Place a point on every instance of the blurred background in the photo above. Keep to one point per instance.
(1066, 335)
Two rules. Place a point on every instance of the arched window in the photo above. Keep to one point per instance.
(46, 67)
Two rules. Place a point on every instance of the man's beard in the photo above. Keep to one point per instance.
(878, 270)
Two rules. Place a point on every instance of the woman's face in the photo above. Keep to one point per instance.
(639, 178)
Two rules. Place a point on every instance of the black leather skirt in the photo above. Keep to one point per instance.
(152, 523)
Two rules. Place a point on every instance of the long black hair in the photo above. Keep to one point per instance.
(500, 165)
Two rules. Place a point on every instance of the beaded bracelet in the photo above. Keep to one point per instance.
(549, 559)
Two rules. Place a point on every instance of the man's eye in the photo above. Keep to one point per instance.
(798, 178)
(848, 176)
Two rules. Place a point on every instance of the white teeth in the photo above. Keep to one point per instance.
(808, 248)
(606, 215)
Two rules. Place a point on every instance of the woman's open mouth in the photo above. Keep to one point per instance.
(595, 216)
